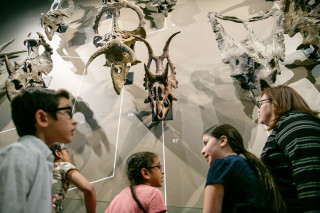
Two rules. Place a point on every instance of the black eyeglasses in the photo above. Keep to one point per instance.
(69, 110)
(259, 102)
(159, 166)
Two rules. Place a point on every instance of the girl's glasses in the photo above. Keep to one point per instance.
(65, 148)
(159, 166)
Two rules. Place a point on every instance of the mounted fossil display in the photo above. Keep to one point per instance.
(160, 84)
(254, 61)
(164, 6)
(302, 17)
(118, 45)
(29, 73)
(53, 21)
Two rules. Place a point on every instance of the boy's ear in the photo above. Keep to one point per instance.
(145, 173)
(223, 141)
(41, 118)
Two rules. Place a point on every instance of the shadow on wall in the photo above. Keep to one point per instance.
(255, 7)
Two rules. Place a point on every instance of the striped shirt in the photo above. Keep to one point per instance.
(292, 154)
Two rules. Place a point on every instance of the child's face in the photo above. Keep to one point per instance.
(61, 130)
(211, 148)
(64, 154)
(156, 173)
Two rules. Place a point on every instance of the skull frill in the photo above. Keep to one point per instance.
(255, 62)
(160, 84)
(118, 46)
(29, 73)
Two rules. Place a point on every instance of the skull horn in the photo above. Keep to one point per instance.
(147, 44)
(9, 65)
(166, 47)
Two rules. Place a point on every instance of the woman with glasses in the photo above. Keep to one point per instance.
(65, 173)
(237, 180)
(145, 173)
(292, 150)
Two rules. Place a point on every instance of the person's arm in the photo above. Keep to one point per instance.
(89, 192)
(299, 139)
(213, 197)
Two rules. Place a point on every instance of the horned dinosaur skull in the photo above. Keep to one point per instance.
(254, 61)
(119, 57)
(53, 20)
(160, 84)
(302, 16)
(29, 73)
(118, 45)
(165, 6)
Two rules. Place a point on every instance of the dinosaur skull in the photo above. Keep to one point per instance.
(29, 73)
(255, 62)
(160, 93)
(160, 84)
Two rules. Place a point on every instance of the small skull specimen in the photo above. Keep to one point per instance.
(53, 20)
(164, 6)
(160, 84)
(119, 57)
(254, 61)
(302, 17)
(118, 45)
(29, 73)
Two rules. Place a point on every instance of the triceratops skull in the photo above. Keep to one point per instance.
(119, 57)
(29, 73)
(255, 62)
(160, 84)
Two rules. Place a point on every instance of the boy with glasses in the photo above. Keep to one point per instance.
(42, 117)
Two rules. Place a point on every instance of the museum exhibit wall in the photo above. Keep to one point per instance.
(111, 127)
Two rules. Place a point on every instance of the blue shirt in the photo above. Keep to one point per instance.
(25, 176)
(241, 186)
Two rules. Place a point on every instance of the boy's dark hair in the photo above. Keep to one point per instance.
(28, 102)
(134, 164)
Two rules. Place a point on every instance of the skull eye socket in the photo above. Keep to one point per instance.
(159, 94)
(166, 103)
(17, 84)
(29, 68)
(154, 93)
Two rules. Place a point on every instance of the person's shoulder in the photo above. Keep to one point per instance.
(294, 118)
(230, 159)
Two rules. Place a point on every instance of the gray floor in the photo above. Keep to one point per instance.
(111, 127)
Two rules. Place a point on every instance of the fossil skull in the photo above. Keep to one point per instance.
(119, 57)
(29, 73)
(160, 84)
(53, 20)
(165, 6)
(254, 61)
